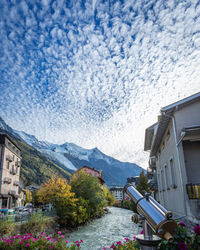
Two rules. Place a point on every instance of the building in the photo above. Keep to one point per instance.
(118, 193)
(174, 146)
(22, 194)
(10, 160)
(91, 171)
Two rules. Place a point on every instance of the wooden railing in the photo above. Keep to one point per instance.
(193, 191)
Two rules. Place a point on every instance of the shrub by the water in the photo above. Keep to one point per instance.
(7, 227)
(37, 223)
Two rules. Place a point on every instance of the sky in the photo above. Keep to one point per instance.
(96, 73)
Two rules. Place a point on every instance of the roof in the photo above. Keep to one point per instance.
(149, 133)
(6, 135)
(166, 115)
(86, 167)
(181, 103)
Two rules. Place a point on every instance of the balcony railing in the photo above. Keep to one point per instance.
(150, 171)
(16, 183)
(12, 192)
(7, 180)
(9, 158)
(13, 171)
(17, 163)
(152, 162)
(193, 191)
(153, 184)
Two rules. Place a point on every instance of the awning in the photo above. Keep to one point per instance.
(191, 134)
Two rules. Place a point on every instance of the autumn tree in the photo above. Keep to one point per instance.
(70, 210)
(28, 196)
(142, 185)
(110, 198)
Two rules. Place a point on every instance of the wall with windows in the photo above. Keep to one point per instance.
(168, 174)
(9, 173)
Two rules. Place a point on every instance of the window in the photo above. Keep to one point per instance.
(163, 179)
(173, 174)
(159, 182)
(168, 135)
(167, 177)
(8, 165)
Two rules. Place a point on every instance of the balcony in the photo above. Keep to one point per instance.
(17, 163)
(7, 180)
(13, 171)
(9, 158)
(11, 192)
(152, 162)
(153, 184)
(193, 191)
(16, 183)
(150, 171)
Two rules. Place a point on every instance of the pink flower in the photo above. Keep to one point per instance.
(62, 236)
(81, 240)
(142, 232)
(42, 234)
(77, 243)
(182, 246)
(59, 232)
(27, 244)
(52, 240)
(182, 224)
(48, 238)
(112, 246)
(21, 242)
(197, 229)
(104, 248)
(126, 239)
(67, 241)
(134, 237)
(119, 242)
(51, 247)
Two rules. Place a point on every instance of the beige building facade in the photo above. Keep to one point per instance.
(174, 146)
(10, 160)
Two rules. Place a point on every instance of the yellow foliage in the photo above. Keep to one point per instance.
(56, 190)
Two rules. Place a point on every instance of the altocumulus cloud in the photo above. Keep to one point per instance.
(96, 73)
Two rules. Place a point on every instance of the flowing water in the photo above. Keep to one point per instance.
(103, 232)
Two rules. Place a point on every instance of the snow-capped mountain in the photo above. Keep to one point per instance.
(71, 157)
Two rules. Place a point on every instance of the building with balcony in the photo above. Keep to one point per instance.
(118, 193)
(92, 171)
(10, 160)
(174, 146)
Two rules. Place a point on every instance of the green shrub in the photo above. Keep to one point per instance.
(37, 223)
(7, 227)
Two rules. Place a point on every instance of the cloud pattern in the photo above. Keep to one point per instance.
(96, 73)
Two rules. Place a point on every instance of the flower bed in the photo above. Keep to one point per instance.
(41, 242)
(182, 241)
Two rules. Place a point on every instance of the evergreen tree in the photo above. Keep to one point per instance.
(142, 185)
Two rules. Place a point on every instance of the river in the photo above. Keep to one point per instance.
(105, 231)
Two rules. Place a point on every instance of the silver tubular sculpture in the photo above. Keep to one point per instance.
(153, 217)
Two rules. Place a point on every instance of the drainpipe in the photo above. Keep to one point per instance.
(178, 157)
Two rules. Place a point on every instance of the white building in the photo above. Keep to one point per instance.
(174, 145)
(118, 193)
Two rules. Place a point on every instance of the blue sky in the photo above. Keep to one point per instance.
(96, 73)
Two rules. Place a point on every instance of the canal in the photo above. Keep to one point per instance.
(105, 231)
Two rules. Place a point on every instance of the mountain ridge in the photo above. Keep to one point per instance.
(71, 157)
